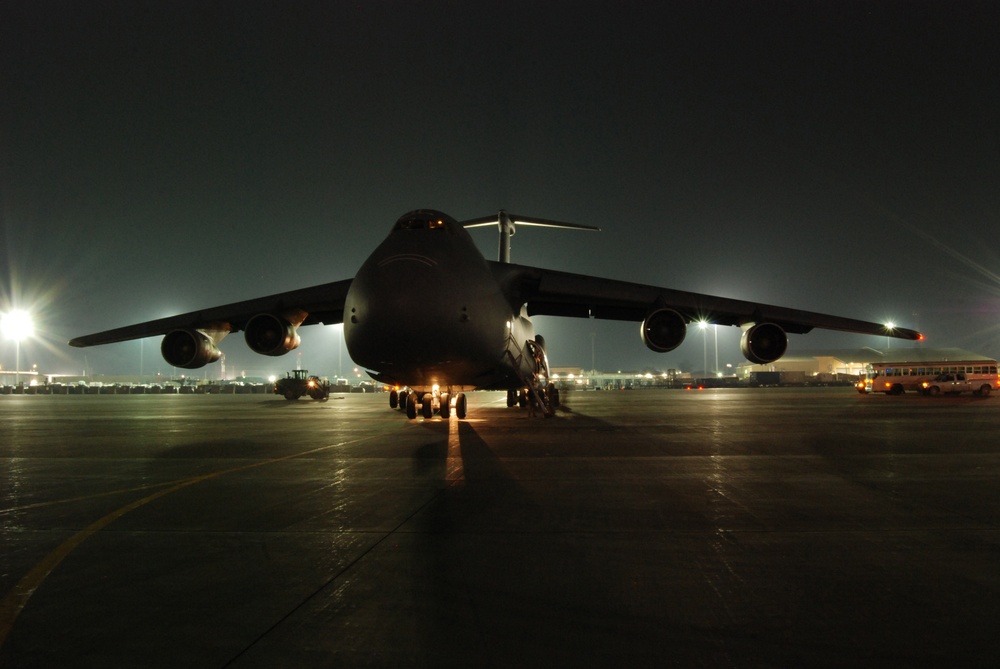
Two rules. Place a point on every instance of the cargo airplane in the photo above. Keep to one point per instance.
(428, 314)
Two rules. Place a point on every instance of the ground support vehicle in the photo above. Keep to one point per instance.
(298, 383)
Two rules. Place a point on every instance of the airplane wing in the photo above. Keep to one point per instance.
(321, 304)
(552, 293)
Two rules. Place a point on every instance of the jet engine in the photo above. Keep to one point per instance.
(269, 334)
(663, 330)
(189, 349)
(763, 343)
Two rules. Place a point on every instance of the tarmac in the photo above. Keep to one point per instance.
(716, 528)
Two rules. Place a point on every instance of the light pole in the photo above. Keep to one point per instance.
(338, 333)
(17, 325)
(593, 363)
(704, 340)
(715, 329)
(890, 326)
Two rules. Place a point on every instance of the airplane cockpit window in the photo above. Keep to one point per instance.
(420, 223)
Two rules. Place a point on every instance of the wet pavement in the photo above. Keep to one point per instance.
(717, 528)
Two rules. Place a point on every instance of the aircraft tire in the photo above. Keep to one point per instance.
(427, 406)
(511, 398)
(393, 399)
(411, 406)
(460, 406)
(552, 393)
(445, 406)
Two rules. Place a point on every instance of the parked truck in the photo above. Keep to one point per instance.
(958, 383)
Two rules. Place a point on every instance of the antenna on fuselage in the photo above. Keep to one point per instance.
(506, 222)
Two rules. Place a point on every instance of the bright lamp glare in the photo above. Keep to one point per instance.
(17, 325)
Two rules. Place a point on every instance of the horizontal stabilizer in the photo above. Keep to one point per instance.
(524, 220)
(506, 223)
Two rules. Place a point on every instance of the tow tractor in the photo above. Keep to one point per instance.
(298, 383)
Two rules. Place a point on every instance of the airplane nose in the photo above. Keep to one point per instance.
(389, 312)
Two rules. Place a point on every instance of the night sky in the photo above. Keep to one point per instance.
(159, 157)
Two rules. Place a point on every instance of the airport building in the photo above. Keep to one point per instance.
(835, 365)
(827, 366)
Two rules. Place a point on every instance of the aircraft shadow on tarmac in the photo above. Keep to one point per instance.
(492, 553)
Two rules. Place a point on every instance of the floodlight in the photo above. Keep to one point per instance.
(17, 325)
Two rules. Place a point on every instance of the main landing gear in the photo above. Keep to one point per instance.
(547, 398)
(428, 403)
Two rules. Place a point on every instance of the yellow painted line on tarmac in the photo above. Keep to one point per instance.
(15, 600)
(96, 495)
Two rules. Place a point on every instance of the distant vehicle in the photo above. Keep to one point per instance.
(950, 384)
(298, 383)
(895, 378)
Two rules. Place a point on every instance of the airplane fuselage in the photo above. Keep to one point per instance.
(425, 309)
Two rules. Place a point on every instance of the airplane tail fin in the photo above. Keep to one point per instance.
(506, 222)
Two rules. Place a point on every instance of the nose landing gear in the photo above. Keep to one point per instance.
(428, 403)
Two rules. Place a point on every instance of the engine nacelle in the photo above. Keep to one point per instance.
(763, 343)
(189, 349)
(663, 330)
(269, 334)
